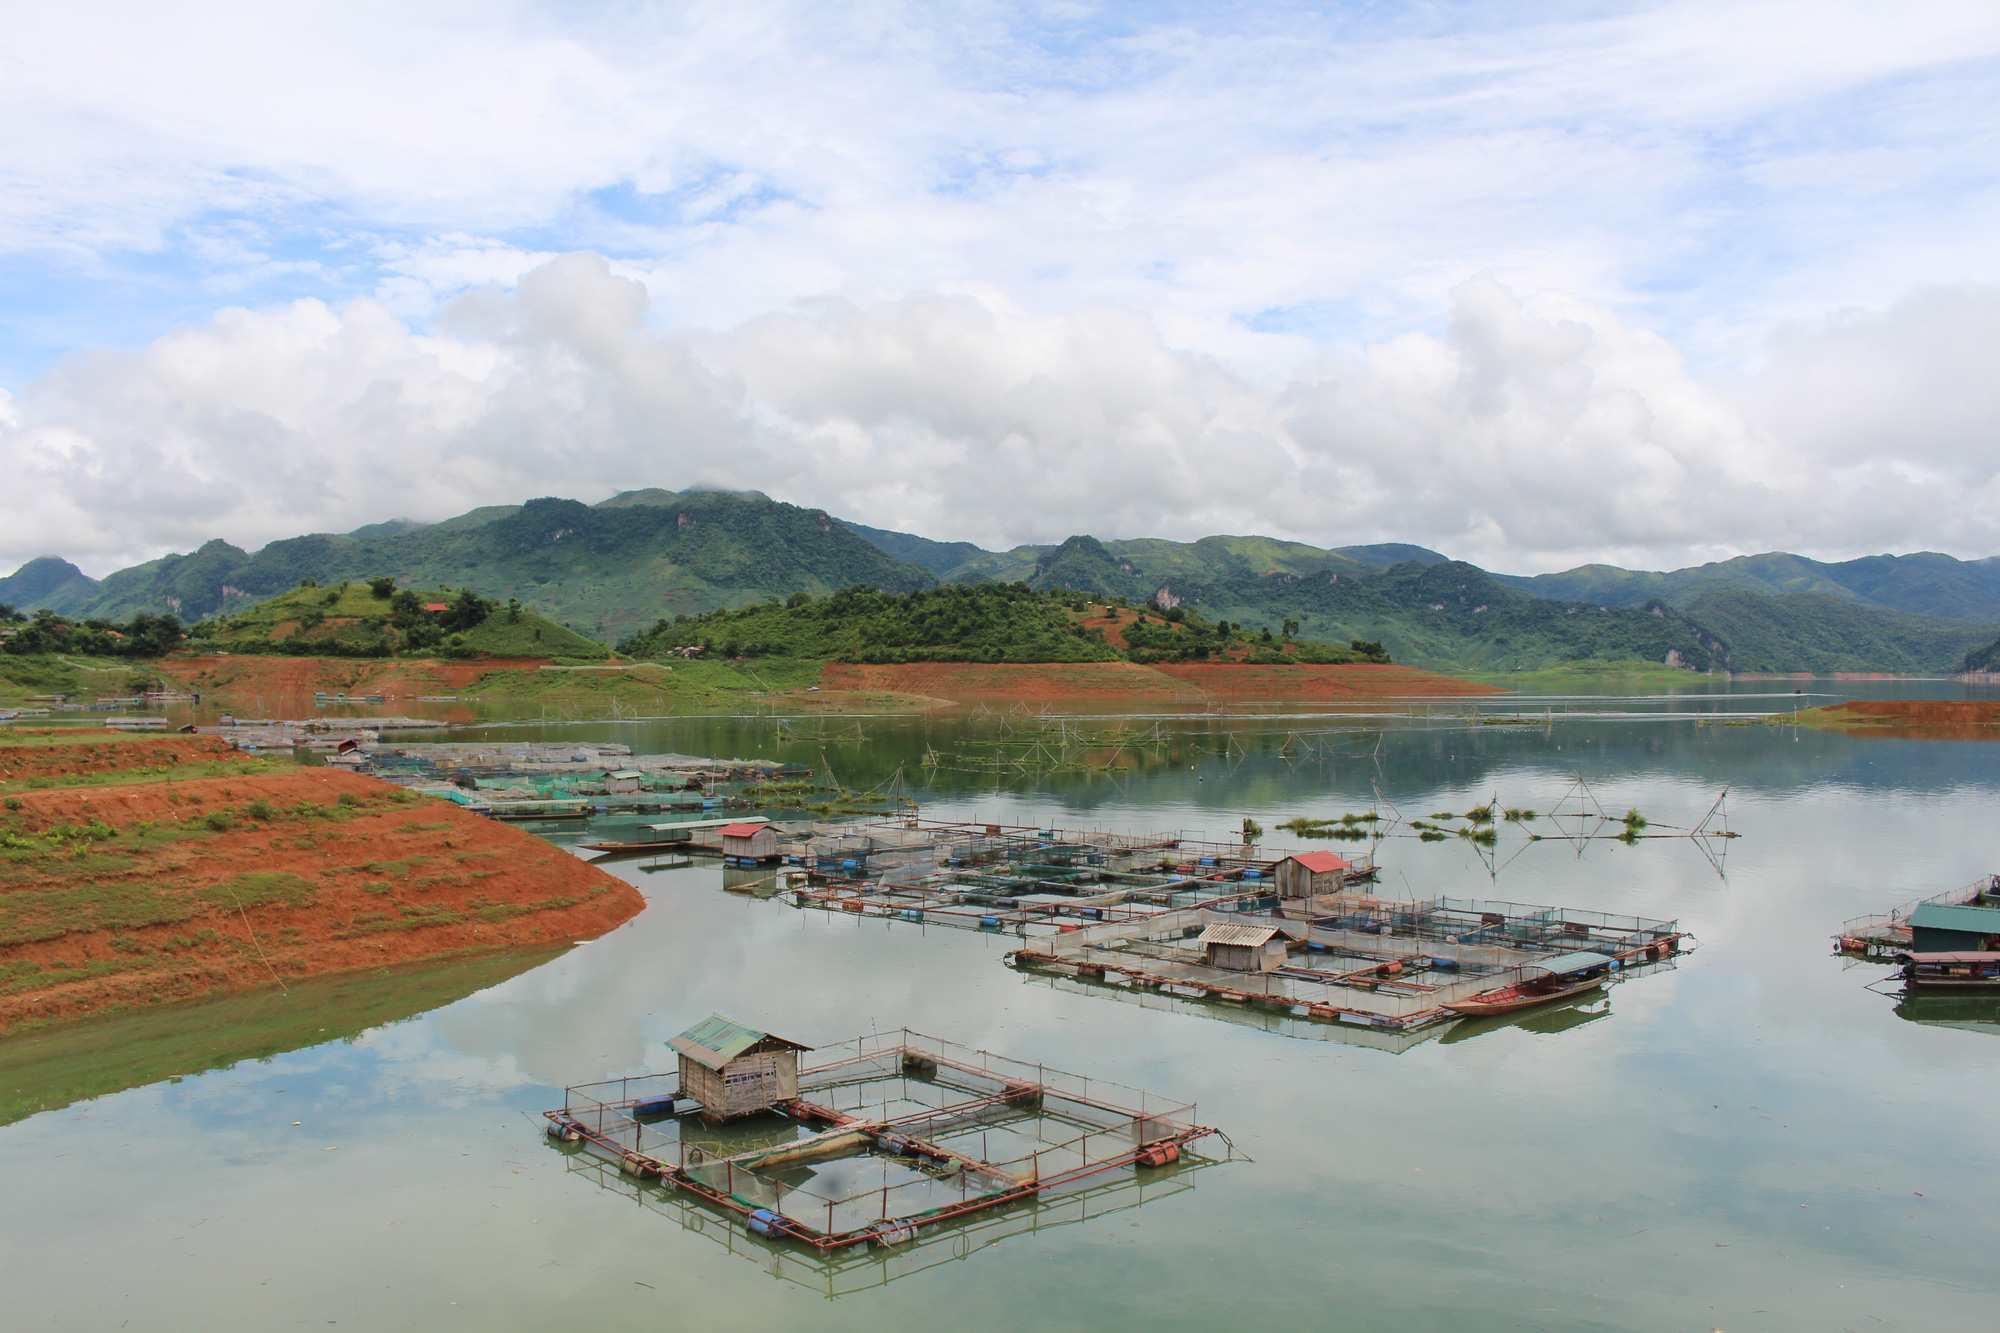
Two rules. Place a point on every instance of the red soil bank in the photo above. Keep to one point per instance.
(112, 756)
(1918, 719)
(291, 676)
(1128, 682)
(333, 888)
(1359, 681)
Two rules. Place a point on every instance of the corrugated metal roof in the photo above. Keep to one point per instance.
(742, 830)
(707, 823)
(716, 1040)
(1320, 863)
(1571, 962)
(1946, 916)
(626, 773)
(1250, 935)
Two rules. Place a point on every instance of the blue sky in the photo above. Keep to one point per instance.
(1282, 192)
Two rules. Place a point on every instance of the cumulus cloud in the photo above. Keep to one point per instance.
(1534, 431)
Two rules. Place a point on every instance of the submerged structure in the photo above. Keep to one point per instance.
(882, 1137)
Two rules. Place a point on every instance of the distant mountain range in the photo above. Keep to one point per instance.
(610, 569)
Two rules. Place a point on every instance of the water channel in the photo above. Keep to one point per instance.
(1751, 1140)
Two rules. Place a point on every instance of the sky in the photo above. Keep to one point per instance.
(1647, 284)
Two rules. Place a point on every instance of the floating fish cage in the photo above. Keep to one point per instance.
(889, 1136)
(845, 1270)
(1024, 880)
(1381, 964)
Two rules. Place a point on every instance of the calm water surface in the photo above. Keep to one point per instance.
(1750, 1141)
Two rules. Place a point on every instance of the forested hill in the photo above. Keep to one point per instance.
(1824, 635)
(48, 584)
(602, 569)
(976, 623)
(1924, 583)
(375, 618)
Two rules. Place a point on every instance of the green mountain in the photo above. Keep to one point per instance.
(646, 556)
(1925, 583)
(603, 570)
(1454, 616)
(1822, 634)
(47, 583)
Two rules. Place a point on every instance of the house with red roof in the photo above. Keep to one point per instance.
(749, 842)
(1309, 874)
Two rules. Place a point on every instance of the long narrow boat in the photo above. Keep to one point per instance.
(1565, 975)
(1951, 971)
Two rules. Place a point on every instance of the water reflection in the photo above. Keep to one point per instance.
(858, 1268)
(1969, 1013)
(42, 1071)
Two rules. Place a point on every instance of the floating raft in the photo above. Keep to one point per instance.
(845, 1163)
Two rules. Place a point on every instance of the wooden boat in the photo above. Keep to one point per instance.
(1951, 971)
(1562, 976)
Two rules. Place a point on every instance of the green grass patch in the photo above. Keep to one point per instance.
(28, 915)
(261, 888)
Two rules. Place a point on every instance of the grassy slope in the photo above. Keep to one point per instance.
(72, 677)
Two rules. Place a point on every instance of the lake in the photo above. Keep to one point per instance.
(1750, 1140)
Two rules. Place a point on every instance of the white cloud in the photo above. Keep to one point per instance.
(1533, 432)
(1694, 160)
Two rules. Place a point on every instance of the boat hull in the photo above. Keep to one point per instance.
(1510, 998)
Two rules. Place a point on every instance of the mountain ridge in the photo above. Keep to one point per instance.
(642, 555)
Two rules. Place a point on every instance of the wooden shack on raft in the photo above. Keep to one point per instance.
(1243, 948)
(733, 1070)
(749, 841)
(1309, 874)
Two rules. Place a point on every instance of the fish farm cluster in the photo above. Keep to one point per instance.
(1225, 921)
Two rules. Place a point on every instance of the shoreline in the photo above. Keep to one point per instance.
(124, 896)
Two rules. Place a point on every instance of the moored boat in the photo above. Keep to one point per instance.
(1565, 975)
(1951, 971)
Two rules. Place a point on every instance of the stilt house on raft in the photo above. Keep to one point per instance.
(733, 1070)
(1309, 874)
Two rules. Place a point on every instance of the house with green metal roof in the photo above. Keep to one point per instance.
(734, 1070)
(1949, 928)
